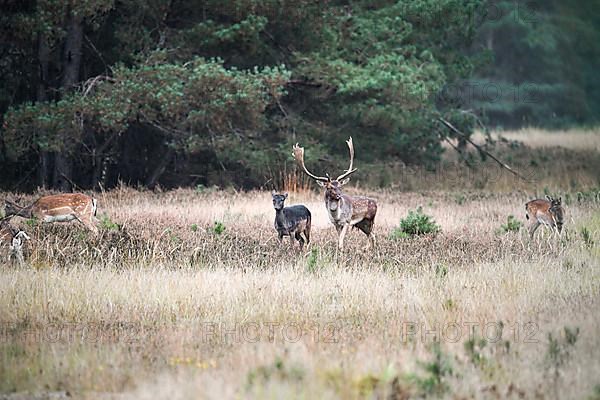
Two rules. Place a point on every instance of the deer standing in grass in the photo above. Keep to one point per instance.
(15, 239)
(291, 221)
(344, 211)
(59, 208)
(547, 212)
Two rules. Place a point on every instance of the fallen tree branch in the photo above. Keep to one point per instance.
(89, 85)
(481, 149)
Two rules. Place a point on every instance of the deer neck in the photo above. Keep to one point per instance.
(280, 218)
(341, 211)
(25, 212)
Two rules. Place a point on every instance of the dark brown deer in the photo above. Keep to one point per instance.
(59, 208)
(291, 221)
(344, 210)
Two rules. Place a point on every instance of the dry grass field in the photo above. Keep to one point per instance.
(188, 294)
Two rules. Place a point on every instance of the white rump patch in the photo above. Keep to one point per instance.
(59, 218)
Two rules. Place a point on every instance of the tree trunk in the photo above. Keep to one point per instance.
(72, 52)
(71, 63)
(160, 167)
(44, 60)
(99, 161)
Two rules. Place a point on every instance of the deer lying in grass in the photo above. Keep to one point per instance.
(14, 238)
(291, 221)
(548, 212)
(344, 210)
(59, 208)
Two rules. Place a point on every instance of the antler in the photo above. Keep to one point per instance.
(349, 170)
(298, 153)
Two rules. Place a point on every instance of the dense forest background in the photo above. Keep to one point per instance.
(174, 92)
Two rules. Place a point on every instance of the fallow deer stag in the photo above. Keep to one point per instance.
(344, 210)
(59, 208)
(547, 212)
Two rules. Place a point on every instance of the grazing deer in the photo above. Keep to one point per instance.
(15, 239)
(344, 210)
(291, 221)
(547, 212)
(59, 208)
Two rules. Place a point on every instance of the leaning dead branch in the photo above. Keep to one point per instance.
(482, 150)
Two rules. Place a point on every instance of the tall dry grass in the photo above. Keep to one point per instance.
(574, 139)
(188, 294)
(161, 305)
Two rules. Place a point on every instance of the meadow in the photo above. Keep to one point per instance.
(187, 293)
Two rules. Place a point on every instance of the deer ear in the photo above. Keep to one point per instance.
(344, 181)
(285, 195)
(560, 200)
(273, 193)
(549, 198)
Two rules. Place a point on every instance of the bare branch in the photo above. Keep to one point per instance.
(92, 82)
(481, 149)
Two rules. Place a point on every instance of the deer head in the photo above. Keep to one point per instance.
(556, 211)
(11, 208)
(332, 187)
(278, 200)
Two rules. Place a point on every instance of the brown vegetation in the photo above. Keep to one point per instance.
(187, 293)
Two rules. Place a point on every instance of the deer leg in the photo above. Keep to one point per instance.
(367, 227)
(307, 232)
(342, 235)
(533, 227)
(371, 242)
(19, 255)
(300, 239)
(86, 221)
(16, 249)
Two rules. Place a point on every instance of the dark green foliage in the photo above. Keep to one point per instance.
(215, 93)
(512, 225)
(474, 348)
(542, 63)
(416, 223)
(218, 228)
(278, 370)
(587, 237)
(220, 90)
(312, 260)
(108, 224)
(595, 393)
(559, 348)
(432, 382)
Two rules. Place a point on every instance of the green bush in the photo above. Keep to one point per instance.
(311, 261)
(433, 381)
(512, 225)
(587, 237)
(218, 228)
(416, 223)
(108, 224)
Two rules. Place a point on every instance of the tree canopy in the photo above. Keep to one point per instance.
(211, 92)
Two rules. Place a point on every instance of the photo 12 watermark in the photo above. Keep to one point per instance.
(459, 332)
